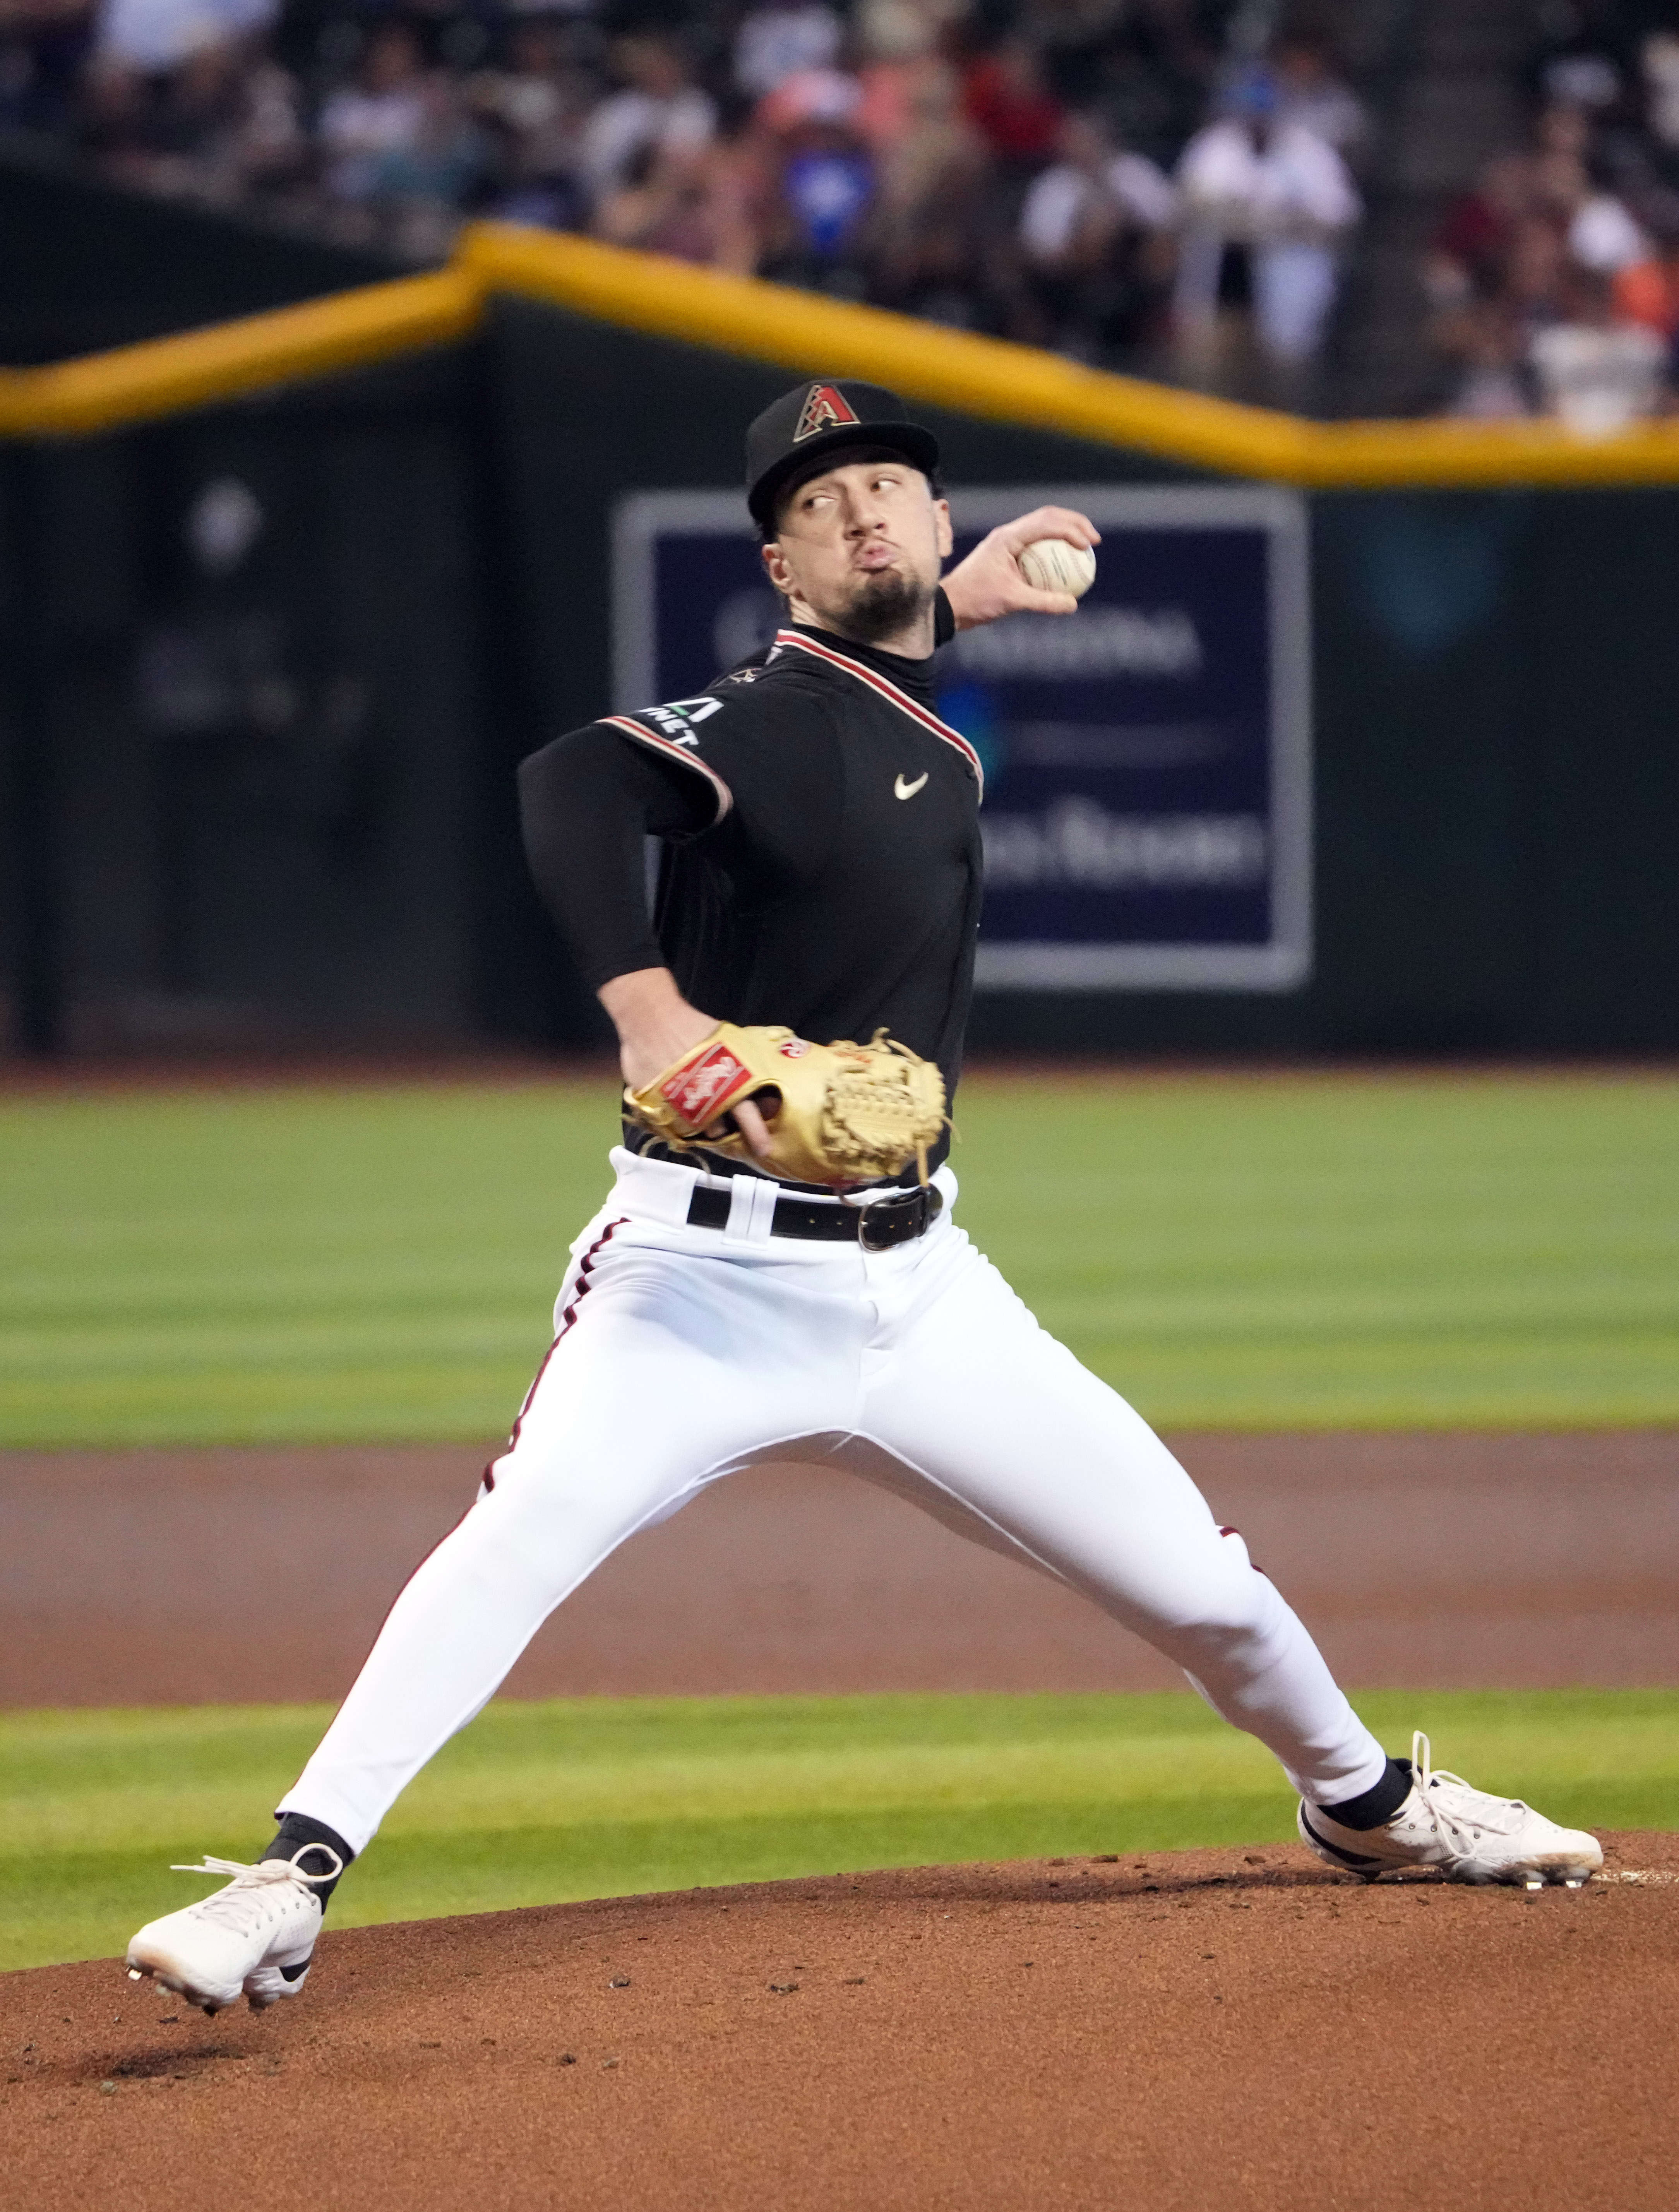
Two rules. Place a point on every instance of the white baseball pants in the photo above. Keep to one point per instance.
(683, 1354)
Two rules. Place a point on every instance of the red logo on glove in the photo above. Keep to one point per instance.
(695, 1092)
(794, 1048)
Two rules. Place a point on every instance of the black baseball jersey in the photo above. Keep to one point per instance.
(822, 862)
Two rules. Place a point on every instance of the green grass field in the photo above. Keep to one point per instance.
(306, 1264)
(538, 1802)
(309, 1264)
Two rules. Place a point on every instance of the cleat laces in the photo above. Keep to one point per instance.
(1460, 1814)
(249, 1899)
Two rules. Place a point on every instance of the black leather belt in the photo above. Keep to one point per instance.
(884, 1222)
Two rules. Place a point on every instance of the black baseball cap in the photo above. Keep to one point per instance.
(817, 420)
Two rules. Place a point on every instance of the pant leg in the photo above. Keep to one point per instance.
(963, 1386)
(1195, 288)
(674, 1363)
(1294, 283)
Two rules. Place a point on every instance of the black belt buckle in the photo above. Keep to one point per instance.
(884, 1222)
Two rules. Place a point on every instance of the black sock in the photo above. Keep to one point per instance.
(1378, 1803)
(297, 1838)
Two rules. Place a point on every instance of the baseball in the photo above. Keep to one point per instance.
(1050, 564)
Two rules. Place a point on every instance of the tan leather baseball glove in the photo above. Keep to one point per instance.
(847, 1113)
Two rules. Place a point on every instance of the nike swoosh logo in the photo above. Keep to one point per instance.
(908, 790)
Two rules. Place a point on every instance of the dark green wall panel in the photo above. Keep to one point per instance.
(1496, 779)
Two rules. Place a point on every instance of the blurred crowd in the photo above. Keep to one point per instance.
(1133, 182)
(1167, 185)
(1553, 285)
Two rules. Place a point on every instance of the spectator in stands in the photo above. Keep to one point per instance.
(1152, 77)
(153, 38)
(1487, 339)
(957, 159)
(534, 109)
(249, 139)
(1534, 273)
(926, 243)
(1471, 247)
(908, 30)
(1265, 206)
(164, 88)
(1552, 283)
(400, 150)
(1096, 231)
(689, 202)
(898, 44)
(1310, 92)
(657, 105)
(1647, 291)
(821, 180)
(43, 49)
(1007, 99)
(776, 43)
(1659, 70)
(1070, 38)
(831, 97)
(379, 118)
(1561, 180)
(224, 124)
(1603, 233)
(1582, 60)
(1595, 370)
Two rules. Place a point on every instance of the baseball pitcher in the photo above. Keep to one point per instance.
(778, 1273)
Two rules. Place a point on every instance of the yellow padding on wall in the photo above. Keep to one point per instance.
(805, 332)
(1006, 383)
(162, 376)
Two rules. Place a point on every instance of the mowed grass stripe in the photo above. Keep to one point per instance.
(538, 1802)
(315, 1265)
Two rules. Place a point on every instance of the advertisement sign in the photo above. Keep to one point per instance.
(1148, 760)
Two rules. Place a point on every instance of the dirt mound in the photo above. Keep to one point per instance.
(1188, 2030)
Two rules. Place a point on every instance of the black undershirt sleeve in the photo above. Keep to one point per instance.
(587, 802)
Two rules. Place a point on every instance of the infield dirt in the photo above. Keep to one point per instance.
(1185, 2031)
(1418, 1558)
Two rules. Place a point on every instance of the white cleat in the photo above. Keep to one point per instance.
(1468, 1835)
(252, 1939)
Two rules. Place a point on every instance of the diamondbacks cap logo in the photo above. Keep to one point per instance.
(824, 409)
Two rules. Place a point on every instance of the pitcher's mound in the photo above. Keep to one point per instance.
(1194, 2030)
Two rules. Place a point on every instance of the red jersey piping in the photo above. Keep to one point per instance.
(888, 690)
(579, 1292)
(725, 796)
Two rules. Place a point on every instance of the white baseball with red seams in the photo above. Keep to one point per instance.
(1051, 564)
(685, 1354)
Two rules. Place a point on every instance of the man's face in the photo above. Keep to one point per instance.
(860, 547)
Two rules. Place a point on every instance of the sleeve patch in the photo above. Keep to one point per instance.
(679, 718)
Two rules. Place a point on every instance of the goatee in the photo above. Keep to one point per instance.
(886, 604)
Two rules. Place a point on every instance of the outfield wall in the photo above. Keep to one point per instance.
(85, 266)
(272, 801)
